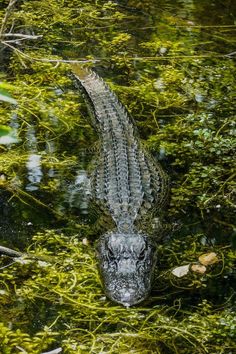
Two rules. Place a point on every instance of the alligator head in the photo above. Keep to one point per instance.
(126, 263)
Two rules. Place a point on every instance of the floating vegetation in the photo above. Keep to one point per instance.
(171, 65)
(55, 299)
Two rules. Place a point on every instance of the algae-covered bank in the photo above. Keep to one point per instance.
(171, 64)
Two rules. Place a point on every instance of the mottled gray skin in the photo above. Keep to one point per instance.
(126, 265)
(128, 182)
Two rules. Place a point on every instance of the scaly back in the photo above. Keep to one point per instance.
(126, 180)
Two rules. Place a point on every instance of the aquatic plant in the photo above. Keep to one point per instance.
(175, 78)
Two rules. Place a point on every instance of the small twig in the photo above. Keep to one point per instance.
(230, 54)
(17, 37)
(18, 51)
(55, 351)
(21, 349)
(9, 252)
(16, 41)
(7, 14)
(8, 265)
(12, 253)
(21, 35)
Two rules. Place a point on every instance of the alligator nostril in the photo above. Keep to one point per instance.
(127, 296)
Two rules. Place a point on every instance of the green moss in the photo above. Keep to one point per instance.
(60, 301)
(175, 78)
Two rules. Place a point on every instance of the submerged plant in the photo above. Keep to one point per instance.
(174, 75)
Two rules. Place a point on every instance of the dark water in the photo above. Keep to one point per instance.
(200, 29)
(205, 28)
(51, 188)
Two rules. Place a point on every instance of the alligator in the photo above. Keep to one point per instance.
(129, 183)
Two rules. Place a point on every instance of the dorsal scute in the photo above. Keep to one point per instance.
(126, 180)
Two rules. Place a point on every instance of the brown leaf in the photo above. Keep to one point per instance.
(198, 268)
(208, 258)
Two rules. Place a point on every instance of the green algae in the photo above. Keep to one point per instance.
(60, 303)
(174, 75)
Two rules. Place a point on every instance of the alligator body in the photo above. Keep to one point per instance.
(128, 182)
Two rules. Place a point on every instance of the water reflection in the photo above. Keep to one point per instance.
(73, 187)
(14, 123)
(50, 149)
(79, 192)
(163, 21)
(35, 173)
(33, 164)
(31, 139)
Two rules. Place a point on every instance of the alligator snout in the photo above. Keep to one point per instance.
(126, 263)
(128, 296)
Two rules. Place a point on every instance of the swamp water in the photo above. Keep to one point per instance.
(171, 64)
